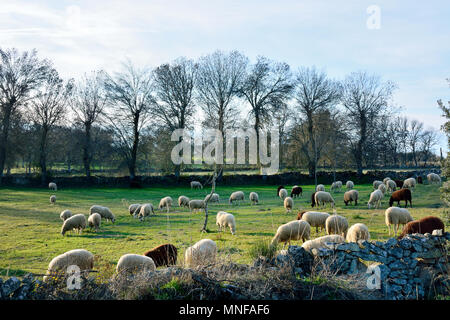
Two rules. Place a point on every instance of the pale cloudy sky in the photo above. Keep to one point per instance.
(411, 47)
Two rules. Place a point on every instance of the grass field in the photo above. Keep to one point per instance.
(30, 226)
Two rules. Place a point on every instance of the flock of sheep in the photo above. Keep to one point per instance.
(204, 251)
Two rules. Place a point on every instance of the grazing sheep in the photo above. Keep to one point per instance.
(320, 187)
(236, 196)
(351, 196)
(288, 204)
(375, 199)
(424, 225)
(278, 190)
(77, 222)
(183, 201)
(145, 211)
(399, 183)
(383, 188)
(130, 263)
(386, 179)
(196, 185)
(419, 180)
(78, 257)
(283, 194)
(103, 211)
(321, 198)
(337, 185)
(396, 216)
(321, 242)
(376, 183)
(296, 192)
(52, 186)
(409, 183)
(95, 220)
(314, 218)
(254, 198)
(402, 194)
(132, 208)
(201, 253)
(336, 224)
(196, 205)
(434, 178)
(294, 230)
(349, 185)
(358, 231)
(163, 255)
(224, 220)
(165, 202)
(52, 199)
(214, 197)
(313, 199)
(391, 186)
(65, 215)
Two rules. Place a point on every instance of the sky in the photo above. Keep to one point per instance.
(402, 41)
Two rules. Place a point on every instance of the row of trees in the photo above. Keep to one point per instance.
(126, 118)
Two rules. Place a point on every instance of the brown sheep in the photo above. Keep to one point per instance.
(163, 255)
(399, 183)
(296, 191)
(278, 190)
(402, 194)
(300, 214)
(313, 199)
(420, 180)
(424, 225)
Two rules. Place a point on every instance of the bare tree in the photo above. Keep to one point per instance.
(414, 136)
(267, 86)
(20, 75)
(365, 98)
(87, 104)
(428, 140)
(314, 94)
(130, 94)
(174, 85)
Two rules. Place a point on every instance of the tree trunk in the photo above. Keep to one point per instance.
(87, 150)
(43, 155)
(132, 160)
(4, 139)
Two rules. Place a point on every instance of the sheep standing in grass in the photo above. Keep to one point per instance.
(201, 253)
(278, 190)
(77, 222)
(409, 183)
(163, 255)
(165, 202)
(296, 192)
(321, 242)
(254, 198)
(294, 230)
(105, 212)
(183, 201)
(196, 205)
(314, 218)
(52, 199)
(132, 208)
(386, 179)
(196, 185)
(226, 220)
(376, 183)
(145, 211)
(95, 221)
(375, 199)
(321, 198)
(423, 225)
(52, 186)
(396, 216)
(288, 204)
(433, 178)
(236, 196)
(65, 215)
(336, 224)
(382, 188)
(358, 231)
(130, 263)
(351, 196)
(283, 194)
(212, 197)
(402, 194)
(349, 185)
(391, 186)
(320, 187)
(81, 258)
(336, 186)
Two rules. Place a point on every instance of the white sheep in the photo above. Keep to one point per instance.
(145, 211)
(212, 198)
(64, 215)
(322, 242)
(130, 263)
(375, 199)
(105, 212)
(322, 198)
(52, 199)
(183, 201)
(320, 187)
(358, 231)
(337, 185)
(433, 178)
(351, 196)
(196, 205)
(77, 222)
(81, 258)
(135, 207)
(201, 253)
(409, 183)
(165, 202)
(196, 185)
(391, 185)
(254, 198)
(382, 188)
(396, 216)
(236, 196)
(52, 186)
(282, 194)
(386, 179)
(288, 204)
(376, 183)
(349, 185)
(315, 219)
(336, 224)
(224, 220)
(294, 230)
(95, 220)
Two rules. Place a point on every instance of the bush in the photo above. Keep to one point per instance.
(263, 248)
